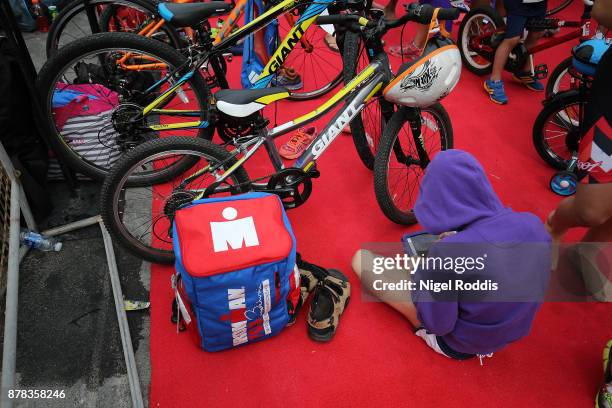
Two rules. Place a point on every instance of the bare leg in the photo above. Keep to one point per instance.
(420, 37)
(390, 9)
(362, 264)
(501, 56)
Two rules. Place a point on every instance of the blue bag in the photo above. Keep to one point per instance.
(236, 278)
(252, 63)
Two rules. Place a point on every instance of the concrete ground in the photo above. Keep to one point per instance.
(68, 336)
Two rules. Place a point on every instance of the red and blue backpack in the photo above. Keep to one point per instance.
(236, 279)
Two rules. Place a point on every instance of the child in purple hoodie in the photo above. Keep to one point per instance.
(457, 201)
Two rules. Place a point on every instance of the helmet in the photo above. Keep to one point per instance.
(586, 56)
(428, 79)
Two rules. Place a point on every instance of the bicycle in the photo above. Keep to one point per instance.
(146, 100)
(560, 125)
(146, 184)
(561, 79)
(143, 17)
(481, 32)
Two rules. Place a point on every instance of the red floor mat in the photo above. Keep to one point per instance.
(374, 360)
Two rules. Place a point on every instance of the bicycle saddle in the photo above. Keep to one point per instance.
(241, 103)
(190, 14)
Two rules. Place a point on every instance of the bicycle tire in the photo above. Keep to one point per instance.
(385, 150)
(562, 6)
(351, 55)
(550, 108)
(111, 188)
(552, 86)
(55, 66)
(467, 60)
(74, 8)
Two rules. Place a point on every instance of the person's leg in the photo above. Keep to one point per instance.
(501, 56)
(526, 76)
(390, 9)
(494, 85)
(362, 264)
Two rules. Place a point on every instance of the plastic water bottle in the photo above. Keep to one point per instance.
(52, 12)
(38, 241)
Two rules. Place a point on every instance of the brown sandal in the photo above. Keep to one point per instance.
(331, 298)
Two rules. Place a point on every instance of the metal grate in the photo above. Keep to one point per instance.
(5, 211)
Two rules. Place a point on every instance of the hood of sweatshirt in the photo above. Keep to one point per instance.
(454, 193)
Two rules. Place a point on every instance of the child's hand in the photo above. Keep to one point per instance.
(445, 234)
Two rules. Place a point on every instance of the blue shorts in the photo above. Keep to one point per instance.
(519, 13)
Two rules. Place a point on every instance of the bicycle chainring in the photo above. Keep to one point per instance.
(292, 185)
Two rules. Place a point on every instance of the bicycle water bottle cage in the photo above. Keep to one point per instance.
(541, 71)
(541, 24)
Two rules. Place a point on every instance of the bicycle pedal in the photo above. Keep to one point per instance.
(541, 71)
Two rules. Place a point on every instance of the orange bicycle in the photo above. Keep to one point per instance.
(142, 17)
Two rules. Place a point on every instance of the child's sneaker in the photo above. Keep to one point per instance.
(529, 80)
(409, 52)
(298, 143)
(331, 297)
(496, 91)
(288, 79)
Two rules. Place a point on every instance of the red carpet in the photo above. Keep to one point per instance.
(374, 360)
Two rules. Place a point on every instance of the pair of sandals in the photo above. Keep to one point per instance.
(331, 294)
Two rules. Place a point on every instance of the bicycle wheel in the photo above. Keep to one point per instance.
(560, 79)
(555, 6)
(366, 128)
(397, 170)
(139, 215)
(72, 23)
(480, 25)
(106, 78)
(556, 131)
(319, 67)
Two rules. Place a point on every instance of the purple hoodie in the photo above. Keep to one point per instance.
(455, 195)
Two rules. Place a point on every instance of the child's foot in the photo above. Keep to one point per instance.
(496, 91)
(298, 143)
(288, 79)
(331, 43)
(410, 51)
(530, 81)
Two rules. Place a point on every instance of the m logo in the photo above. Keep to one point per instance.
(234, 232)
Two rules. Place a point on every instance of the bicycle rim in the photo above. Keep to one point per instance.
(101, 138)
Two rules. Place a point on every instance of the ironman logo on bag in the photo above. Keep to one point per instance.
(223, 236)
